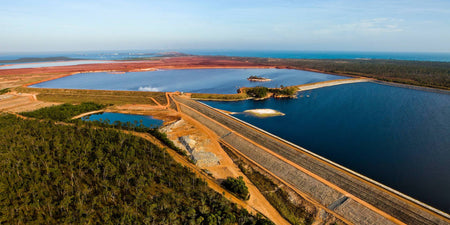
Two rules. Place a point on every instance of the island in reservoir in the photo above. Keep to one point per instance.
(257, 79)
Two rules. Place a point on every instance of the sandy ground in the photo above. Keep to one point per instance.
(157, 112)
(226, 168)
(305, 87)
(187, 126)
(21, 102)
(264, 112)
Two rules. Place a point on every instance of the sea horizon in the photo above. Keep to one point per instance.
(294, 54)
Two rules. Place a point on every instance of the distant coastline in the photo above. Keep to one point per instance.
(127, 55)
(423, 73)
(414, 87)
(37, 59)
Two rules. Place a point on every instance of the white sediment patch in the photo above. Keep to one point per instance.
(148, 88)
(264, 112)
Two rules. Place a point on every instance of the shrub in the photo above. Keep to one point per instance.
(237, 186)
(4, 91)
(257, 92)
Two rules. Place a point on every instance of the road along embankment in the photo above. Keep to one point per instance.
(305, 87)
(343, 192)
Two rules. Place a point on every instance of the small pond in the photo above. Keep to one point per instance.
(147, 121)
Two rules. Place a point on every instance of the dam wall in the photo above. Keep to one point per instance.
(357, 200)
(328, 83)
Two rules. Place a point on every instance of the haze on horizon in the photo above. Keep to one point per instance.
(328, 25)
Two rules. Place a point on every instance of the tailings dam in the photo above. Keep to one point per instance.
(340, 191)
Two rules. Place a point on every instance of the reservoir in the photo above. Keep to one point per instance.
(220, 81)
(396, 136)
(147, 121)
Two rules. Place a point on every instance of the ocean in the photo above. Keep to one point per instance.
(136, 54)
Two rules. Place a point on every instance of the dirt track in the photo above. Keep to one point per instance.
(18, 102)
(226, 168)
(311, 86)
(256, 203)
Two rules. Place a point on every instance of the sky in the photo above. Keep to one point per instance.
(301, 25)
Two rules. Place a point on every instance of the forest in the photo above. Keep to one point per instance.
(53, 173)
(64, 112)
(136, 126)
(420, 73)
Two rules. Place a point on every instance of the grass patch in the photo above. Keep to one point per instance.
(98, 96)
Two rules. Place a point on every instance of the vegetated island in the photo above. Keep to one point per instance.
(257, 79)
(418, 73)
(260, 92)
(256, 93)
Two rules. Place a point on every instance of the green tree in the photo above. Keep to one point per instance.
(237, 186)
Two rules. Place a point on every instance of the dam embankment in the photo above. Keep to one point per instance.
(345, 193)
(310, 86)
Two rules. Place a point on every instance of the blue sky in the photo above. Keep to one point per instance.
(325, 25)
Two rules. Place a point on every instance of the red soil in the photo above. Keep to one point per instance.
(187, 62)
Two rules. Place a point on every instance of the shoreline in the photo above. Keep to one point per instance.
(300, 88)
(328, 83)
(209, 113)
(414, 87)
(91, 61)
(173, 63)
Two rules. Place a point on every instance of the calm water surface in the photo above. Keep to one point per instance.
(397, 136)
(221, 81)
(118, 55)
(147, 121)
(5, 66)
(417, 56)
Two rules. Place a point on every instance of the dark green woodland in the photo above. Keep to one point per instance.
(64, 112)
(420, 73)
(78, 174)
